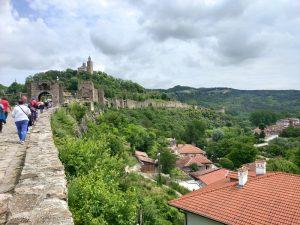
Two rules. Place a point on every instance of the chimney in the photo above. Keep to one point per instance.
(260, 167)
(243, 176)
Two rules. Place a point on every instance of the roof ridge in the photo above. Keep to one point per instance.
(201, 192)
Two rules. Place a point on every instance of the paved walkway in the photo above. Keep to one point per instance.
(11, 157)
(32, 179)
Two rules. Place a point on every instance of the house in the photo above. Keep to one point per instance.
(147, 164)
(288, 122)
(267, 198)
(201, 161)
(275, 129)
(210, 176)
(183, 150)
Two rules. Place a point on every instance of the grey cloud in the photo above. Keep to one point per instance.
(238, 46)
(113, 46)
(162, 30)
(196, 21)
(186, 19)
(158, 43)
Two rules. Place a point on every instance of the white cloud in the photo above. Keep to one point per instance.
(242, 44)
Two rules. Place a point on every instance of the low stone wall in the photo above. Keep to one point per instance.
(40, 197)
(131, 104)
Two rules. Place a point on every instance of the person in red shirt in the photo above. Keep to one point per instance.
(6, 106)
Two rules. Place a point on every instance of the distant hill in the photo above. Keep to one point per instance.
(239, 101)
(113, 87)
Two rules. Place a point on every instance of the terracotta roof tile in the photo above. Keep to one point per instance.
(211, 177)
(267, 199)
(189, 149)
(202, 172)
(140, 153)
(143, 157)
(189, 160)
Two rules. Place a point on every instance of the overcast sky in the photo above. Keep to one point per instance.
(247, 44)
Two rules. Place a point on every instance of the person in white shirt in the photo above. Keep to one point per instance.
(21, 115)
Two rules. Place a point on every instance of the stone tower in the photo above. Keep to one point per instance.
(90, 65)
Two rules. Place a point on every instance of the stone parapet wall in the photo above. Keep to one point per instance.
(40, 197)
(131, 104)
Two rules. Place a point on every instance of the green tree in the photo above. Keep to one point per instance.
(217, 135)
(193, 167)
(291, 131)
(226, 163)
(280, 164)
(167, 160)
(263, 117)
(242, 153)
(15, 88)
(195, 132)
(297, 157)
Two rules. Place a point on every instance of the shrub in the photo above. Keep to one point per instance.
(226, 163)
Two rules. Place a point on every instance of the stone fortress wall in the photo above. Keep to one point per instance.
(88, 93)
(53, 88)
(39, 195)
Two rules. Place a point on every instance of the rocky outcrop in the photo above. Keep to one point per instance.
(40, 197)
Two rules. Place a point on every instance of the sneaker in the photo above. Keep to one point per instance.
(22, 142)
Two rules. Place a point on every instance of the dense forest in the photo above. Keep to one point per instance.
(239, 102)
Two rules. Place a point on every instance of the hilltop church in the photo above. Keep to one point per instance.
(86, 67)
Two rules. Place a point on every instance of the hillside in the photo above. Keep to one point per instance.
(113, 87)
(238, 102)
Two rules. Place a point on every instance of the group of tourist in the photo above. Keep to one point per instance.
(24, 113)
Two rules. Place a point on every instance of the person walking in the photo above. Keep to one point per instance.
(2, 117)
(21, 113)
(6, 106)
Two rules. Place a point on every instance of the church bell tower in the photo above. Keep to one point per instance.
(90, 65)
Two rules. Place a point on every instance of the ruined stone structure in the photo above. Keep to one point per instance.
(88, 92)
(222, 110)
(46, 88)
(132, 104)
(86, 67)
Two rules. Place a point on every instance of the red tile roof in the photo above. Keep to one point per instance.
(139, 153)
(267, 199)
(202, 172)
(251, 171)
(143, 157)
(212, 176)
(189, 149)
(189, 160)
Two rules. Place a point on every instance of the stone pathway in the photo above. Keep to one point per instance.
(12, 155)
(33, 193)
